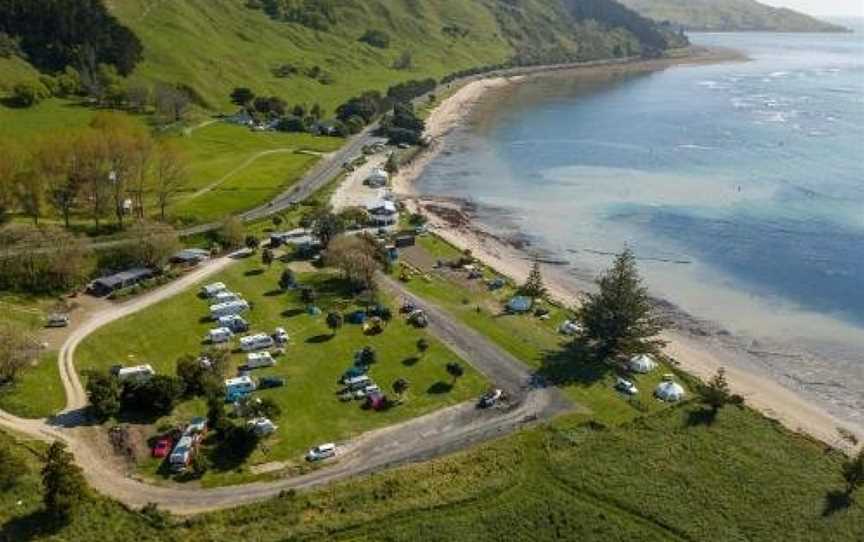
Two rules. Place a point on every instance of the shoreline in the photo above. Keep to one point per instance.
(699, 349)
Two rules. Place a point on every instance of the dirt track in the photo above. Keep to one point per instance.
(418, 439)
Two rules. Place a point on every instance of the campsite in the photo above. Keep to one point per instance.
(314, 360)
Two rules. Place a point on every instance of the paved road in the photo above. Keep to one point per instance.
(418, 439)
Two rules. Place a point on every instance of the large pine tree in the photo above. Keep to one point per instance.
(534, 286)
(621, 318)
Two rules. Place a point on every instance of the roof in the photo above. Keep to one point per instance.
(381, 207)
(239, 381)
(520, 303)
(123, 277)
(191, 255)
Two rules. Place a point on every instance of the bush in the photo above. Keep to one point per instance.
(376, 38)
(29, 94)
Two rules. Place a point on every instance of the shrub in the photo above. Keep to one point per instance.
(376, 38)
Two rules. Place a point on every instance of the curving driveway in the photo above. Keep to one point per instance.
(418, 439)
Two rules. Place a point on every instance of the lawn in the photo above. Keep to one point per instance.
(742, 478)
(536, 342)
(313, 362)
(43, 119)
(38, 393)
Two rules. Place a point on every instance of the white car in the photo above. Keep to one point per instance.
(280, 336)
(489, 399)
(321, 452)
(625, 386)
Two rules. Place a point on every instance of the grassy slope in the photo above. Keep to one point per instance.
(311, 411)
(38, 393)
(729, 15)
(660, 478)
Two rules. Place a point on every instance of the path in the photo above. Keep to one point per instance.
(248, 162)
(418, 439)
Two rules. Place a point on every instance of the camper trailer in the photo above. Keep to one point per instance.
(219, 335)
(235, 323)
(140, 372)
(224, 297)
(235, 388)
(182, 454)
(358, 383)
(228, 309)
(256, 342)
(256, 360)
(212, 289)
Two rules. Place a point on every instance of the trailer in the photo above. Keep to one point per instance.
(232, 308)
(259, 341)
(219, 335)
(212, 289)
(139, 372)
(257, 360)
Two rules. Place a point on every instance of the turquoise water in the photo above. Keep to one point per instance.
(739, 185)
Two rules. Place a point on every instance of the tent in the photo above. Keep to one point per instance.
(520, 304)
(642, 363)
(669, 391)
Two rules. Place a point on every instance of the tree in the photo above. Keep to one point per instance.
(151, 243)
(716, 393)
(197, 379)
(308, 295)
(267, 257)
(18, 348)
(29, 94)
(57, 162)
(316, 112)
(400, 386)
(232, 233)
(30, 193)
(158, 394)
(455, 370)
(63, 484)
(252, 243)
(12, 467)
(405, 61)
(103, 392)
(376, 38)
(26, 266)
(334, 322)
(172, 103)
(169, 175)
(12, 164)
(621, 318)
(138, 95)
(853, 473)
(217, 420)
(242, 96)
(422, 347)
(287, 280)
(368, 356)
(264, 408)
(534, 287)
(392, 165)
(326, 225)
(355, 258)
(277, 221)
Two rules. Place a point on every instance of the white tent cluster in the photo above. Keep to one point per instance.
(669, 391)
(642, 363)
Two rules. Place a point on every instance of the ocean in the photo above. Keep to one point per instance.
(740, 187)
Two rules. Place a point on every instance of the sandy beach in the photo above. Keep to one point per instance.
(699, 349)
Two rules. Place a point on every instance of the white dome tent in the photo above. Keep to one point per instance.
(642, 363)
(669, 391)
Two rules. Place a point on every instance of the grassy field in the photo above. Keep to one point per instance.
(536, 342)
(314, 360)
(662, 477)
(38, 393)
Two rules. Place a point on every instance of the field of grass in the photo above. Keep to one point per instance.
(662, 477)
(313, 362)
(43, 119)
(38, 393)
(536, 342)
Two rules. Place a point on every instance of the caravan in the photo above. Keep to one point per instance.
(256, 342)
(256, 360)
(228, 309)
(235, 388)
(225, 297)
(212, 289)
(219, 335)
(182, 454)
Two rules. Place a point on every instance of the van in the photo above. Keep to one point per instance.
(256, 360)
(225, 297)
(140, 372)
(219, 335)
(235, 323)
(181, 456)
(256, 342)
(358, 383)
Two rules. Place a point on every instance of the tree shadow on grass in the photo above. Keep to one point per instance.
(291, 313)
(575, 364)
(318, 339)
(836, 501)
(439, 388)
(410, 362)
(33, 526)
(254, 272)
(701, 416)
(274, 293)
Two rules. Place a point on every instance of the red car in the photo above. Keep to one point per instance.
(162, 447)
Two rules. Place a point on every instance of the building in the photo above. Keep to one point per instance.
(377, 179)
(190, 257)
(106, 285)
(382, 213)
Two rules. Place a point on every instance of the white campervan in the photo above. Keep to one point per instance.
(240, 385)
(140, 372)
(256, 360)
(219, 335)
(212, 289)
(358, 383)
(225, 297)
(256, 342)
(181, 456)
(228, 309)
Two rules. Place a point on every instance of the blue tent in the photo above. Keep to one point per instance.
(357, 317)
(520, 303)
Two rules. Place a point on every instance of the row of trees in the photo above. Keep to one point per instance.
(112, 167)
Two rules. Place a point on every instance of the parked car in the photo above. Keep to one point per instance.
(57, 320)
(280, 336)
(489, 399)
(270, 382)
(163, 447)
(321, 452)
(625, 386)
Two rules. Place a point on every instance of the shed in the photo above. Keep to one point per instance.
(642, 363)
(520, 304)
(190, 257)
(669, 391)
(106, 285)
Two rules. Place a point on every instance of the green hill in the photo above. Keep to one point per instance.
(729, 16)
(211, 46)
